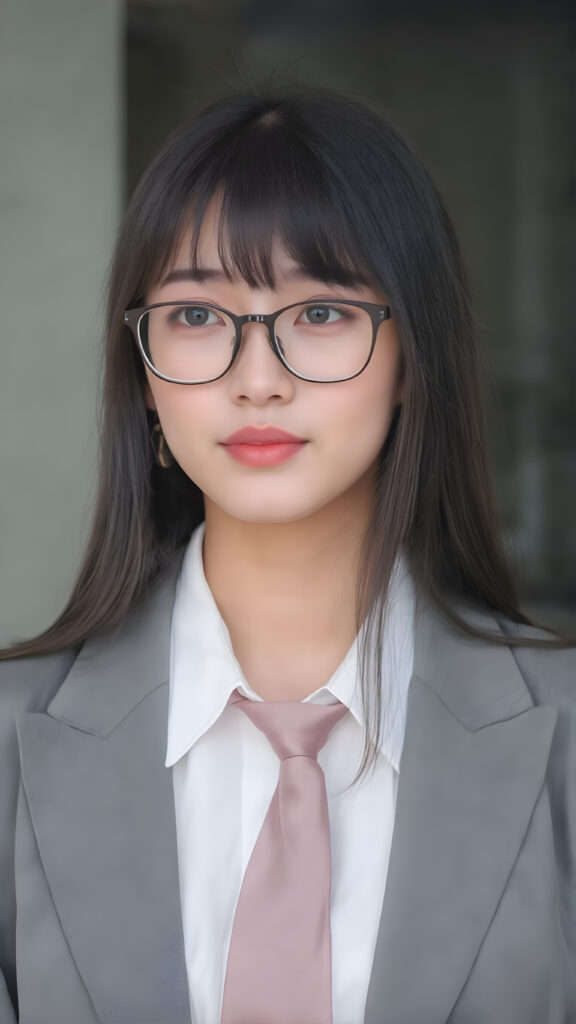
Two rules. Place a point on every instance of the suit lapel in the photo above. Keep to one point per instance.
(101, 804)
(473, 765)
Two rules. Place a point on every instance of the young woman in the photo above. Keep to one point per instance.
(291, 754)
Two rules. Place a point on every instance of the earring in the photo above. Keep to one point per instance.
(163, 454)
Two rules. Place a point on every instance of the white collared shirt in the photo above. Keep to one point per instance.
(225, 772)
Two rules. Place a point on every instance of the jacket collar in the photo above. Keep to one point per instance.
(477, 681)
(115, 671)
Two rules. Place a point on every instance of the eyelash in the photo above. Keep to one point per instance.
(345, 314)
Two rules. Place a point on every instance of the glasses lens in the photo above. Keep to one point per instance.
(325, 341)
(188, 342)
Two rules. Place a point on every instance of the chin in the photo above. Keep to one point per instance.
(268, 511)
(267, 517)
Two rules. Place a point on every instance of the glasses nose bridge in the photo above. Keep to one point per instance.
(266, 319)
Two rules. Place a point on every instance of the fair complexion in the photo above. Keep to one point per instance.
(282, 541)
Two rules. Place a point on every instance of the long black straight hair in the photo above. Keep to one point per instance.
(346, 197)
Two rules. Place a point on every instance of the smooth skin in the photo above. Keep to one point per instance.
(282, 542)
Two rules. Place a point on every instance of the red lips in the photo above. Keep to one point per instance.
(262, 435)
(262, 447)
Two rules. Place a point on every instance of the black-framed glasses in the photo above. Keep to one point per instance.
(197, 342)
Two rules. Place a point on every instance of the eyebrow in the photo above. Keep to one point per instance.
(203, 274)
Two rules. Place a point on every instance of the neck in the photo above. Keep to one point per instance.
(286, 590)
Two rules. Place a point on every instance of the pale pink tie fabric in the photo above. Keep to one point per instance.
(280, 958)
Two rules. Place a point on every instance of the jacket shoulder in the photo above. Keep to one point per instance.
(549, 672)
(29, 684)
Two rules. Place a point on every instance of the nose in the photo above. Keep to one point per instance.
(257, 374)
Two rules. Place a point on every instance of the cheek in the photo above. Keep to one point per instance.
(352, 429)
(181, 414)
(366, 404)
(371, 426)
(364, 425)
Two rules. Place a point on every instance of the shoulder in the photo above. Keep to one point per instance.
(514, 677)
(29, 684)
(548, 672)
(26, 684)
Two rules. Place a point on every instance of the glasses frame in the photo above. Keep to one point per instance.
(376, 311)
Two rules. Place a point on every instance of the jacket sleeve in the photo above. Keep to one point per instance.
(26, 684)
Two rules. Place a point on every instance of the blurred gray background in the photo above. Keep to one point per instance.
(484, 92)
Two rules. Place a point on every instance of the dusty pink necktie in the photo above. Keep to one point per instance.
(280, 958)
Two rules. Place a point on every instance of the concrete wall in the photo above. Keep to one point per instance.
(60, 192)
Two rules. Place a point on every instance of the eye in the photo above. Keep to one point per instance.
(194, 316)
(323, 314)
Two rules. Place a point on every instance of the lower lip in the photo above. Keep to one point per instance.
(264, 454)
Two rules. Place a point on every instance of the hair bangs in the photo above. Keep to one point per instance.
(272, 190)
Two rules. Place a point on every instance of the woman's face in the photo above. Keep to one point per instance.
(342, 425)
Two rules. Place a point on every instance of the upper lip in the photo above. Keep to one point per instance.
(262, 435)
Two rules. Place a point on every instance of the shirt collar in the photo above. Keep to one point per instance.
(204, 671)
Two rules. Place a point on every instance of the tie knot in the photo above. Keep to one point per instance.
(291, 727)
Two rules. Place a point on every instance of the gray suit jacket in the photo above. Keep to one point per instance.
(479, 918)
